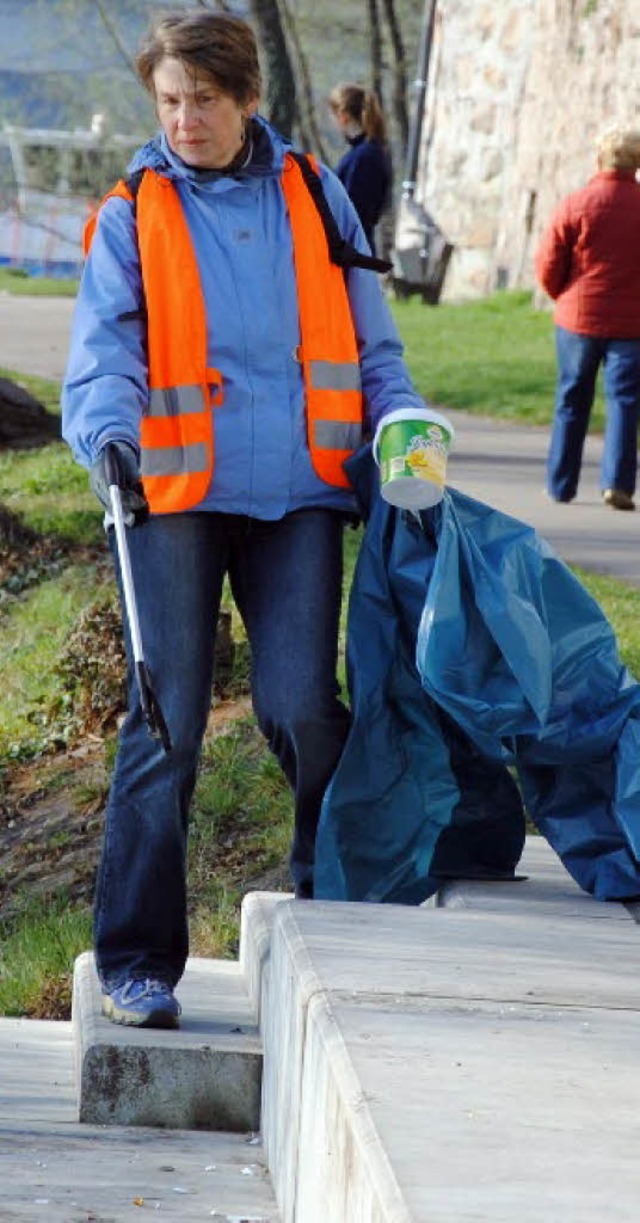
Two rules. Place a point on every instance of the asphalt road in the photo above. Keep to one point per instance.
(34, 334)
(499, 463)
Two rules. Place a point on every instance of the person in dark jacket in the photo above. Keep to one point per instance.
(365, 170)
(589, 263)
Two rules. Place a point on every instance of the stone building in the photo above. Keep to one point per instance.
(517, 91)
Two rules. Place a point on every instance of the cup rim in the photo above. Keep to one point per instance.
(421, 414)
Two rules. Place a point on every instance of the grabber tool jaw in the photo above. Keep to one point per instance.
(151, 711)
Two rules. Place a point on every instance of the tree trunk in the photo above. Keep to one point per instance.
(399, 89)
(309, 130)
(281, 86)
(375, 49)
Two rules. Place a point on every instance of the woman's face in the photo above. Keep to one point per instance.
(204, 126)
(340, 118)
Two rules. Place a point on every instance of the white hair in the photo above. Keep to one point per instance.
(618, 147)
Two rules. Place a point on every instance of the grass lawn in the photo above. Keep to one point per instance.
(495, 357)
(20, 284)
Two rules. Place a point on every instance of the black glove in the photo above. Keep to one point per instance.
(124, 460)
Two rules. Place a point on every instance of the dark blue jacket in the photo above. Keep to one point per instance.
(365, 173)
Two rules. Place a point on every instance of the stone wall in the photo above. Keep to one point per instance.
(517, 91)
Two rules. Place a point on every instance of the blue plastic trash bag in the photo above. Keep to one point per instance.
(474, 654)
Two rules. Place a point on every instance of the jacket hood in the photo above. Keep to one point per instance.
(267, 157)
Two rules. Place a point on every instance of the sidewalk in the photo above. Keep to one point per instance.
(504, 465)
(34, 334)
(500, 463)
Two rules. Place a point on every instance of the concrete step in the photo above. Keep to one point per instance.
(206, 1075)
(55, 1169)
(545, 888)
(256, 927)
(454, 1064)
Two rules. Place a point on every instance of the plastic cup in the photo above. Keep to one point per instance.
(411, 447)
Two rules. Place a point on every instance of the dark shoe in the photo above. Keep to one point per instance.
(617, 499)
(304, 890)
(557, 500)
(142, 1003)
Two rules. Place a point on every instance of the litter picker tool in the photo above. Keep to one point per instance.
(150, 706)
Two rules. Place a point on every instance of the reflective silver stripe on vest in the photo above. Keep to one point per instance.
(176, 401)
(336, 435)
(335, 375)
(174, 460)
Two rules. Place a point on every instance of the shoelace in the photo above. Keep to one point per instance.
(144, 988)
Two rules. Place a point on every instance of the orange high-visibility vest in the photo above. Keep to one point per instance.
(177, 433)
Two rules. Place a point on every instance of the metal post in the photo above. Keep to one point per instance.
(420, 84)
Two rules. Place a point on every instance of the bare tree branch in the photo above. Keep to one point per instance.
(111, 28)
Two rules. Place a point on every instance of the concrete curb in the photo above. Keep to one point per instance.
(208, 1075)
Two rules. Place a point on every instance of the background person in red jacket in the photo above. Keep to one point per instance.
(589, 263)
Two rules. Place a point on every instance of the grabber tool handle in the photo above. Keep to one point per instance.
(112, 468)
(151, 710)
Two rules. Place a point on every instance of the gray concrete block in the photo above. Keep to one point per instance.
(450, 1065)
(36, 1071)
(542, 886)
(206, 1075)
(256, 924)
(485, 1113)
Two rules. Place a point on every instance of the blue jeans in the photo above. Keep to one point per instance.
(286, 579)
(579, 358)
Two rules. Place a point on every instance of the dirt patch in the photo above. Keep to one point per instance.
(26, 557)
(51, 821)
(24, 421)
(50, 827)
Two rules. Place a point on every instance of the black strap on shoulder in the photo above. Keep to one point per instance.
(133, 183)
(341, 252)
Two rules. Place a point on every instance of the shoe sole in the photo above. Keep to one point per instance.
(155, 1019)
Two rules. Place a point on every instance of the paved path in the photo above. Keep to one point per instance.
(504, 465)
(34, 334)
(497, 462)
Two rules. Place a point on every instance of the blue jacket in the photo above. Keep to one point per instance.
(243, 244)
(473, 650)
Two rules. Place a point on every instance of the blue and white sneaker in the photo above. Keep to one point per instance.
(142, 1003)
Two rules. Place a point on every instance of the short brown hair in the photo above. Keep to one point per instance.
(216, 45)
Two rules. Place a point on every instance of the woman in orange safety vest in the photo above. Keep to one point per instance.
(234, 367)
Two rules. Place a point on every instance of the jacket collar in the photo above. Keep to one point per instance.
(267, 158)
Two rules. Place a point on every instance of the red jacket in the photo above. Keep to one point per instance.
(589, 258)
